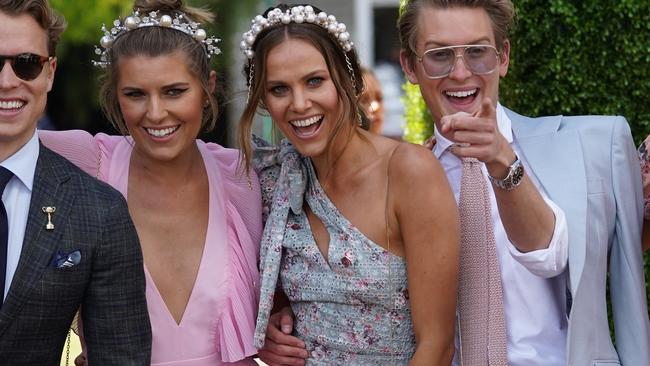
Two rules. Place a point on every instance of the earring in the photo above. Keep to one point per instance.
(206, 103)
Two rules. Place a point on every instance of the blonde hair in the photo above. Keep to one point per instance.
(501, 13)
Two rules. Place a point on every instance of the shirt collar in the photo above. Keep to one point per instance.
(23, 162)
(503, 122)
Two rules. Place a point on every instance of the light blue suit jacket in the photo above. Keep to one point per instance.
(589, 167)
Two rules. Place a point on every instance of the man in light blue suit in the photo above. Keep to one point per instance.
(566, 192)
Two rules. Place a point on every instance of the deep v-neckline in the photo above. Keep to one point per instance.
(123, 188)
(188, 305)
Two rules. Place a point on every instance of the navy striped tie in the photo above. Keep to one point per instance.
(5, 176)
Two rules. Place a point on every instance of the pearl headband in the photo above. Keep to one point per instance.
(297, 14)
(134, 21)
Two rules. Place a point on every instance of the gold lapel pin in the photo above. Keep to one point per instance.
(49, 210)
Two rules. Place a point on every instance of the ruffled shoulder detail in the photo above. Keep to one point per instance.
(243, 212)
(108, 144)
(242, 188)
(238, 308)
(90, 153)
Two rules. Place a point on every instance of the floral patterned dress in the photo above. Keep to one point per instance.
(350, 308)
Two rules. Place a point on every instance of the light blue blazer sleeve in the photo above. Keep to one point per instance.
(627, 283)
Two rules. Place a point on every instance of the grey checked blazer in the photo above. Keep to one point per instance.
(108, 282)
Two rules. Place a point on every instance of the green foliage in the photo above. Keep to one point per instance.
(84, 21)
(581, 57)
(415, 110)
(73, 100)
(418, 125)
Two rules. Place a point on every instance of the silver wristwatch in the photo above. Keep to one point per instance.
(512, 179)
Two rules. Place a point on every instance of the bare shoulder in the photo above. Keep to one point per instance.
(412, 161)
(419, 185)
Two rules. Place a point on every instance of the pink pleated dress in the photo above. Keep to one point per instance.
(219, 320)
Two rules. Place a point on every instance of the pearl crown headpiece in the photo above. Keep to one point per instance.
(297, 14)
(179, 22)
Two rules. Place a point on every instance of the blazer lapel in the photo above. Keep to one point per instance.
(39, 243)
(556, 157)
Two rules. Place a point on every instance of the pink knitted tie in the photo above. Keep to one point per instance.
(480, 300)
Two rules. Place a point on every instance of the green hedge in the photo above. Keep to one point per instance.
(571, 57)
(581, 57)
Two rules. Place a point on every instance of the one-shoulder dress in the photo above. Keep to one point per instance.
(351, 308)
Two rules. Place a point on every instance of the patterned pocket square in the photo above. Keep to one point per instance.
(65, 260)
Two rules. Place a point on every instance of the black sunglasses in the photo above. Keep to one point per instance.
(27, 66)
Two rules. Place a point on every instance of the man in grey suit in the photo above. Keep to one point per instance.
(66, 240)
(565, 196)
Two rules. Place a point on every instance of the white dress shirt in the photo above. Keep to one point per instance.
(16, 198)
(533, 283)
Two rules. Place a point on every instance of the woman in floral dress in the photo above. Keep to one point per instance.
(361, 235)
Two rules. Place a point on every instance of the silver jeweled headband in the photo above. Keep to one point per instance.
(297, 14)
(134, 21)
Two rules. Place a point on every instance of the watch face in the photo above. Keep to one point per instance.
(512, 180)
(517, 174)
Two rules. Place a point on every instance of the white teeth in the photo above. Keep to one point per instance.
(305, 122)
(161, 132)
(14, 104)
(461, 94)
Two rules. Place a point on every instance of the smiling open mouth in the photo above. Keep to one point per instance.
(462, 96)
(307, 127)
(11, 105)
(161, 132)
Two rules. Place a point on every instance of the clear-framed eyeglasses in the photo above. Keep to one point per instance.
(480, 59)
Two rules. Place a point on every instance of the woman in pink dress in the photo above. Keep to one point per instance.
(197, 213)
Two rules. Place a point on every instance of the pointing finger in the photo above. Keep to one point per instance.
(487, 109)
